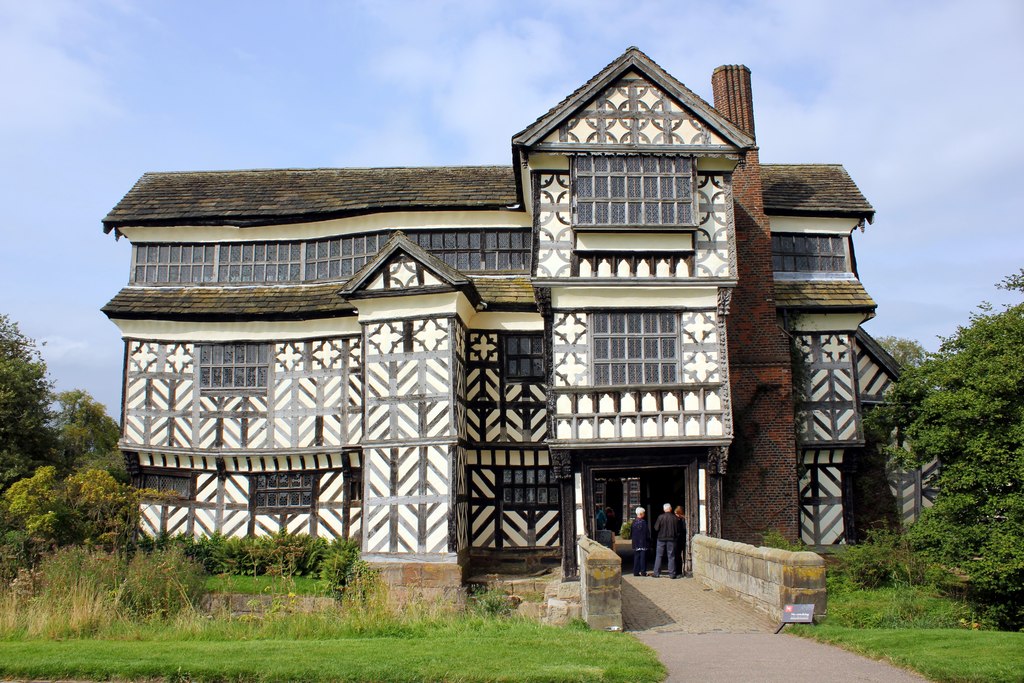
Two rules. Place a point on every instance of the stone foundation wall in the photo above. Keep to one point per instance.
(427, 581)
(600, 585)
(766, 578)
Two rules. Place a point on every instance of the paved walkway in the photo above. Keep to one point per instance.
(701, 635)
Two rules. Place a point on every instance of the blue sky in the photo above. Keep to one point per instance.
(919, 100)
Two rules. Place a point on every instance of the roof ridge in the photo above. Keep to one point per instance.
(330, 168)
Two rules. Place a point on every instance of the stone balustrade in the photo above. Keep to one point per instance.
(766, 578)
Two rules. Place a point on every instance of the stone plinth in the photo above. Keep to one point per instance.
(766, 578)
(600, 585)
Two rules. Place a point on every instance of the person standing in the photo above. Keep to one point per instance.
(681, 541)
(640, 535)
(600, 518)
(666, 530)
(612, 520)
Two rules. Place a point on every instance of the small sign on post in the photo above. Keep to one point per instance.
(797, 614)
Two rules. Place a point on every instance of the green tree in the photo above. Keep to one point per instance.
(965, 406)
(87, 436)
(907, 352)
(26, 438)
(89, 507)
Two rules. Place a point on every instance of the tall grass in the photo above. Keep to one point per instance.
(77, 592)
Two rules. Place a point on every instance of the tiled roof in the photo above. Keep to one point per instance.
(795, 189)
(268, 196)
(299, 302)
(821, 294)
(220, 303)
(515, 291)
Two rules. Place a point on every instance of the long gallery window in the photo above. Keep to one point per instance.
(802, 253)
(332, 258)
(634, 189)
(233, 366)
(635, 348)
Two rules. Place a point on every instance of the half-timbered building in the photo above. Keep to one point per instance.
(456, 365)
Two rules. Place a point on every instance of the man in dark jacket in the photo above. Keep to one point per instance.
(640, 535)
(666, 530)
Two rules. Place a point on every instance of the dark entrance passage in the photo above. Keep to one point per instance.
(625, 489)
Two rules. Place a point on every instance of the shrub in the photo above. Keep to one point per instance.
(886, 558)
(492, 602)
(343, 571)
(626, 532)
(773, 538)
(162, 583)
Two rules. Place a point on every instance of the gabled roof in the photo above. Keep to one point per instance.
(812, 189)
(878, 352)
(399, 243)
(631, 59)
(262, 197)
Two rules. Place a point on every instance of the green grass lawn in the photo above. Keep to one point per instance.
(940, 654)
(487, 650)
(261, 585)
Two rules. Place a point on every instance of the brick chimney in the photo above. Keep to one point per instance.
(763, 454)
(731, 87)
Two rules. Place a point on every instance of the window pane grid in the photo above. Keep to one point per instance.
(283, 490)
(332, 258)
(472, 250)
(635, 348)
(634, 190)
(528, 488)
(524, 357)
(185, 263)
(233, 366)
(800, 253)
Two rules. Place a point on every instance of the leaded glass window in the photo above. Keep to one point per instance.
(802, 253)
(634, 189)
(167, 483)
(260, 262)
(283, 490)
(333, 258)
(177, 263)
(340, 257)
(507, 249)
(635, 347)
(524, 357)
(528, 487)
(233, 366)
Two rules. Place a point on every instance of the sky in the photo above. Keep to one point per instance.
(920, 101)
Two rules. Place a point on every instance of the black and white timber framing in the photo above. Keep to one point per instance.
(284, 374)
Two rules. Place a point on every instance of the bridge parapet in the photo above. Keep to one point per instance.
(766, 578)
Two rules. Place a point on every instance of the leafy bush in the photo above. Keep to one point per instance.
(626, 532)
(162, 583)
(282, 554)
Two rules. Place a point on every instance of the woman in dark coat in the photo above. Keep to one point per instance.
(640, 534)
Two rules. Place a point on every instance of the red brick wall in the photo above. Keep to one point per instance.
(761, 483)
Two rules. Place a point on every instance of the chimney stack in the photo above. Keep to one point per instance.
(733, 98)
